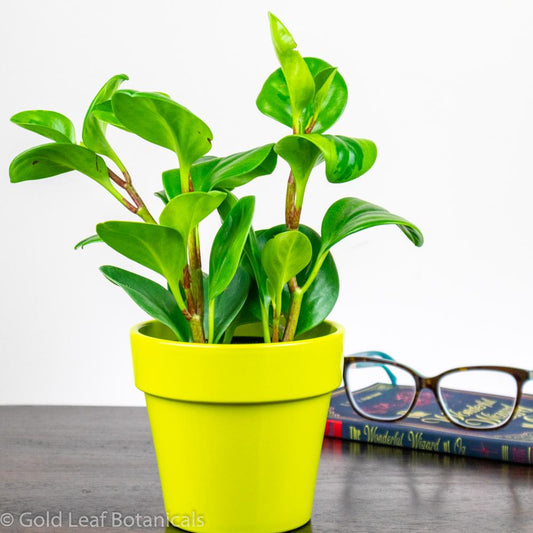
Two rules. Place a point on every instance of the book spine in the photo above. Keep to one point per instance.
(429, 440)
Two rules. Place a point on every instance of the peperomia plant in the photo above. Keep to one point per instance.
(283, 277)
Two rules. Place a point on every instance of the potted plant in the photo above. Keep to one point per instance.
(239, 362)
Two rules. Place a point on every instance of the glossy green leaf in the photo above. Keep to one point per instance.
(228, 245)
(258, 300)
(351, 215)
(300, 82)
(274, 100)
(171, 178)
(158, 248)
(318, 304)
(88, 240)
(186, 211)
(302, 157)
(225, 173)
(94, 129)
(346, 158)
(50, 124)
(252, 253)
(49, 160)
(320, 298)
(171, 182)
(152, 298)
(283, 257)
(229, 303)
(161, 121)
(104, 112)
(323, 81)
(251, 310)
(162, 195)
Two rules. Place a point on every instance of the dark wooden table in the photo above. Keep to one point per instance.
(60, 466)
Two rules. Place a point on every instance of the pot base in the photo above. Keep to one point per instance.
(238, 468)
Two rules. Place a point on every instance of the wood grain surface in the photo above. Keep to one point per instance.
(69, 464)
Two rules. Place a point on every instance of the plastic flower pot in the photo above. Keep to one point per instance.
(237, 428)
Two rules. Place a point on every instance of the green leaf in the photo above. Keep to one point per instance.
(171, 182)
(251, 260)
(49, 160)
(94, 129)
(104, 112)
(162, 195)
(224, 172)
(158, 248)
(283, 257)
(300, 82)
(274, 100)
(228, 245)
(88, 240)
(302, 157)
(251, 311)
(351, 215)
(161, 121)
(152, 298)
(346, 158)
(186, 211)
(323, 81)
(320, 298)
(229, 303)
(50, 124)
(172, 177)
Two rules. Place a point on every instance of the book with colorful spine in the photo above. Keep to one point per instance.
(426, 428)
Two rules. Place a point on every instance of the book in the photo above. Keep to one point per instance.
(426, 428)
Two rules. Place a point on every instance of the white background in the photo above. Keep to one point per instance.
(445, 89)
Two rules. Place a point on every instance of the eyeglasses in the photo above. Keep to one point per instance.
(476, 397)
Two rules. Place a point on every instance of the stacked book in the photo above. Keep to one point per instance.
(426, 428)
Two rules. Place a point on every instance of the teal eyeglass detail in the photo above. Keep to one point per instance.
(383, 355)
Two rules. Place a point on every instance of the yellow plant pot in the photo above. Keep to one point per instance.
(237, 428)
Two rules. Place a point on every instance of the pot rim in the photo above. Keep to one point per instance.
(337, 329)
(237, 373)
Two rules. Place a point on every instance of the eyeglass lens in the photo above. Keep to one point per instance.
(478, 399)
(380, 391)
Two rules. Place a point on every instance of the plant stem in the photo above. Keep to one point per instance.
(294, 315)
(311, 125)
(197, 329)
(138, 207)
(296, 299)
(289, 200)
(187, 288)
(264, 322)
(321, 258)
(145, 215)
(292, 222)
(211, 318)
(175, 290)
(292, 212)
(197, 278)
(275, 327)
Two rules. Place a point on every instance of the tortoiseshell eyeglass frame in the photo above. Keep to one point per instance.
(432, 383)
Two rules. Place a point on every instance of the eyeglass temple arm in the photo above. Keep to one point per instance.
(382, 355)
